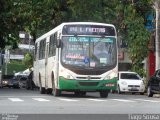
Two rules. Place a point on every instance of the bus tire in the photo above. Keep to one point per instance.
(79, 93)
(104, 94)
(49, 91)
(55, 91)
(83, 93)
(41, 89)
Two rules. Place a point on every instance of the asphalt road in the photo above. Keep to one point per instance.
(31, 103)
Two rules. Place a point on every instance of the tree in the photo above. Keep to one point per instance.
(129, 17)
(28, 60)
(9, 29)
(37, 17)
(136, 35)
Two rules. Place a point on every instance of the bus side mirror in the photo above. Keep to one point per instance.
(58, 43)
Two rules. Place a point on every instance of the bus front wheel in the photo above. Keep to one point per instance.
(80, 93)
(56, 92)
(103, 94)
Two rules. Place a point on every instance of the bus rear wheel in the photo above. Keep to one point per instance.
(103, 94)
(42, 90)
(49, 91)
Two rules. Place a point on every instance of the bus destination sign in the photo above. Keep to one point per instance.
(88, 30)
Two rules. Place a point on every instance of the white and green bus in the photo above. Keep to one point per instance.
(78, 57)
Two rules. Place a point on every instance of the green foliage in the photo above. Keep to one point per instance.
(37, 17)
(137, 36)
(137, 40)
(28, 60)
(9, 29)
(85, 10)
(139, 69)
(13, 67)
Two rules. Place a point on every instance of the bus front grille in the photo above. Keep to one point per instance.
(88, 83)
(90, 78)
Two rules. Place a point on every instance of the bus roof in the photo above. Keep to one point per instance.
(87, 23)
(70, 23)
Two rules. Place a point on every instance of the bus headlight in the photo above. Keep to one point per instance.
(66, 75)
(107, 77)
(111, 76)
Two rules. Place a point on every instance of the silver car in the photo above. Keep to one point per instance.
(22, 82)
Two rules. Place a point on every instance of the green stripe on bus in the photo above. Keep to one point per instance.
(66, 84)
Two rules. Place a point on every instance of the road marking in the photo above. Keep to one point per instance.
(68, 100)
(98, 100)
(147, 100)
(40, 99)
(122, 100)
(16, 99)
(20, 96)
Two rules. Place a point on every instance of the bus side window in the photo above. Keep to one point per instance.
(42, 49)
(52, 46)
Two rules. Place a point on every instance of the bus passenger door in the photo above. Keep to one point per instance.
(35, 65)
(46, 66)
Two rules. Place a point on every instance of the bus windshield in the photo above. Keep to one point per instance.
(89, 52)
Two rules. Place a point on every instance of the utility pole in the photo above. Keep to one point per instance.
(156, 7)
(7, 59)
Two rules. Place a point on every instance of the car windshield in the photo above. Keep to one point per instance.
(89, 52)
(23, 79)
(130, 76)
(14, 79)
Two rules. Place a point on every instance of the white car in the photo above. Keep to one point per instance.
(130, 82)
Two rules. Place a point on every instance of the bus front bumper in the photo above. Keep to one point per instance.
(87, 85)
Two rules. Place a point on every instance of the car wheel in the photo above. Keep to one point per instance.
(149, 92)
(142, 93)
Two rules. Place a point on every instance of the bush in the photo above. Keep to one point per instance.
(13, 67)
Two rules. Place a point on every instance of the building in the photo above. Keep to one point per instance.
(17, 55)
(26, 45)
